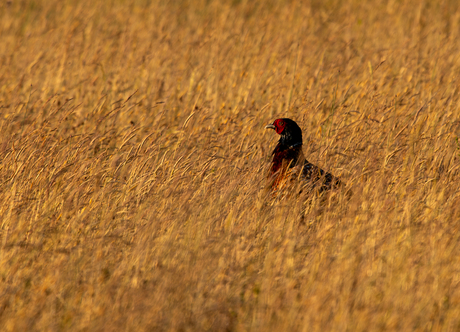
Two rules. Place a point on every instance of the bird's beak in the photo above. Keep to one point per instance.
(270, 126)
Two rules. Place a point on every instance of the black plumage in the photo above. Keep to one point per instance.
(289, 162)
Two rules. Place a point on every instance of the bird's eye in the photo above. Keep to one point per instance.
(281, 123)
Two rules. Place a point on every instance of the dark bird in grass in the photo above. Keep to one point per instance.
(289, 163)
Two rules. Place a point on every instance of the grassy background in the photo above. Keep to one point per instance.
(133, 161)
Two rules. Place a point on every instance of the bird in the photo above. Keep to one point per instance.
(289, 163)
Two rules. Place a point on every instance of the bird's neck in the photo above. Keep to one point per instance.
(287, 140)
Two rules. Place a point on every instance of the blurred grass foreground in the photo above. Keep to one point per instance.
(134, 160)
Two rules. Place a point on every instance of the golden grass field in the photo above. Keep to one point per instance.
(134, 161)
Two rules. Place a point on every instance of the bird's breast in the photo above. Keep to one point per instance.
(285, 166)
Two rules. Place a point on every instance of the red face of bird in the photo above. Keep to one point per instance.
(278, 125)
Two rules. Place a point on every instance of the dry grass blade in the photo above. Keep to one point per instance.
(134, 166)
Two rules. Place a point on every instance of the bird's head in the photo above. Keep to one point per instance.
(290, 132)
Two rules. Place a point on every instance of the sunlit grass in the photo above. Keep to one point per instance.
(134, 163)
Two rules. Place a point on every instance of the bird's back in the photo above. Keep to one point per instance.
(289, 164)
(319, 178)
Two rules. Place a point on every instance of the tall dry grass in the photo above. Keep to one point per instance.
(133, 161)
